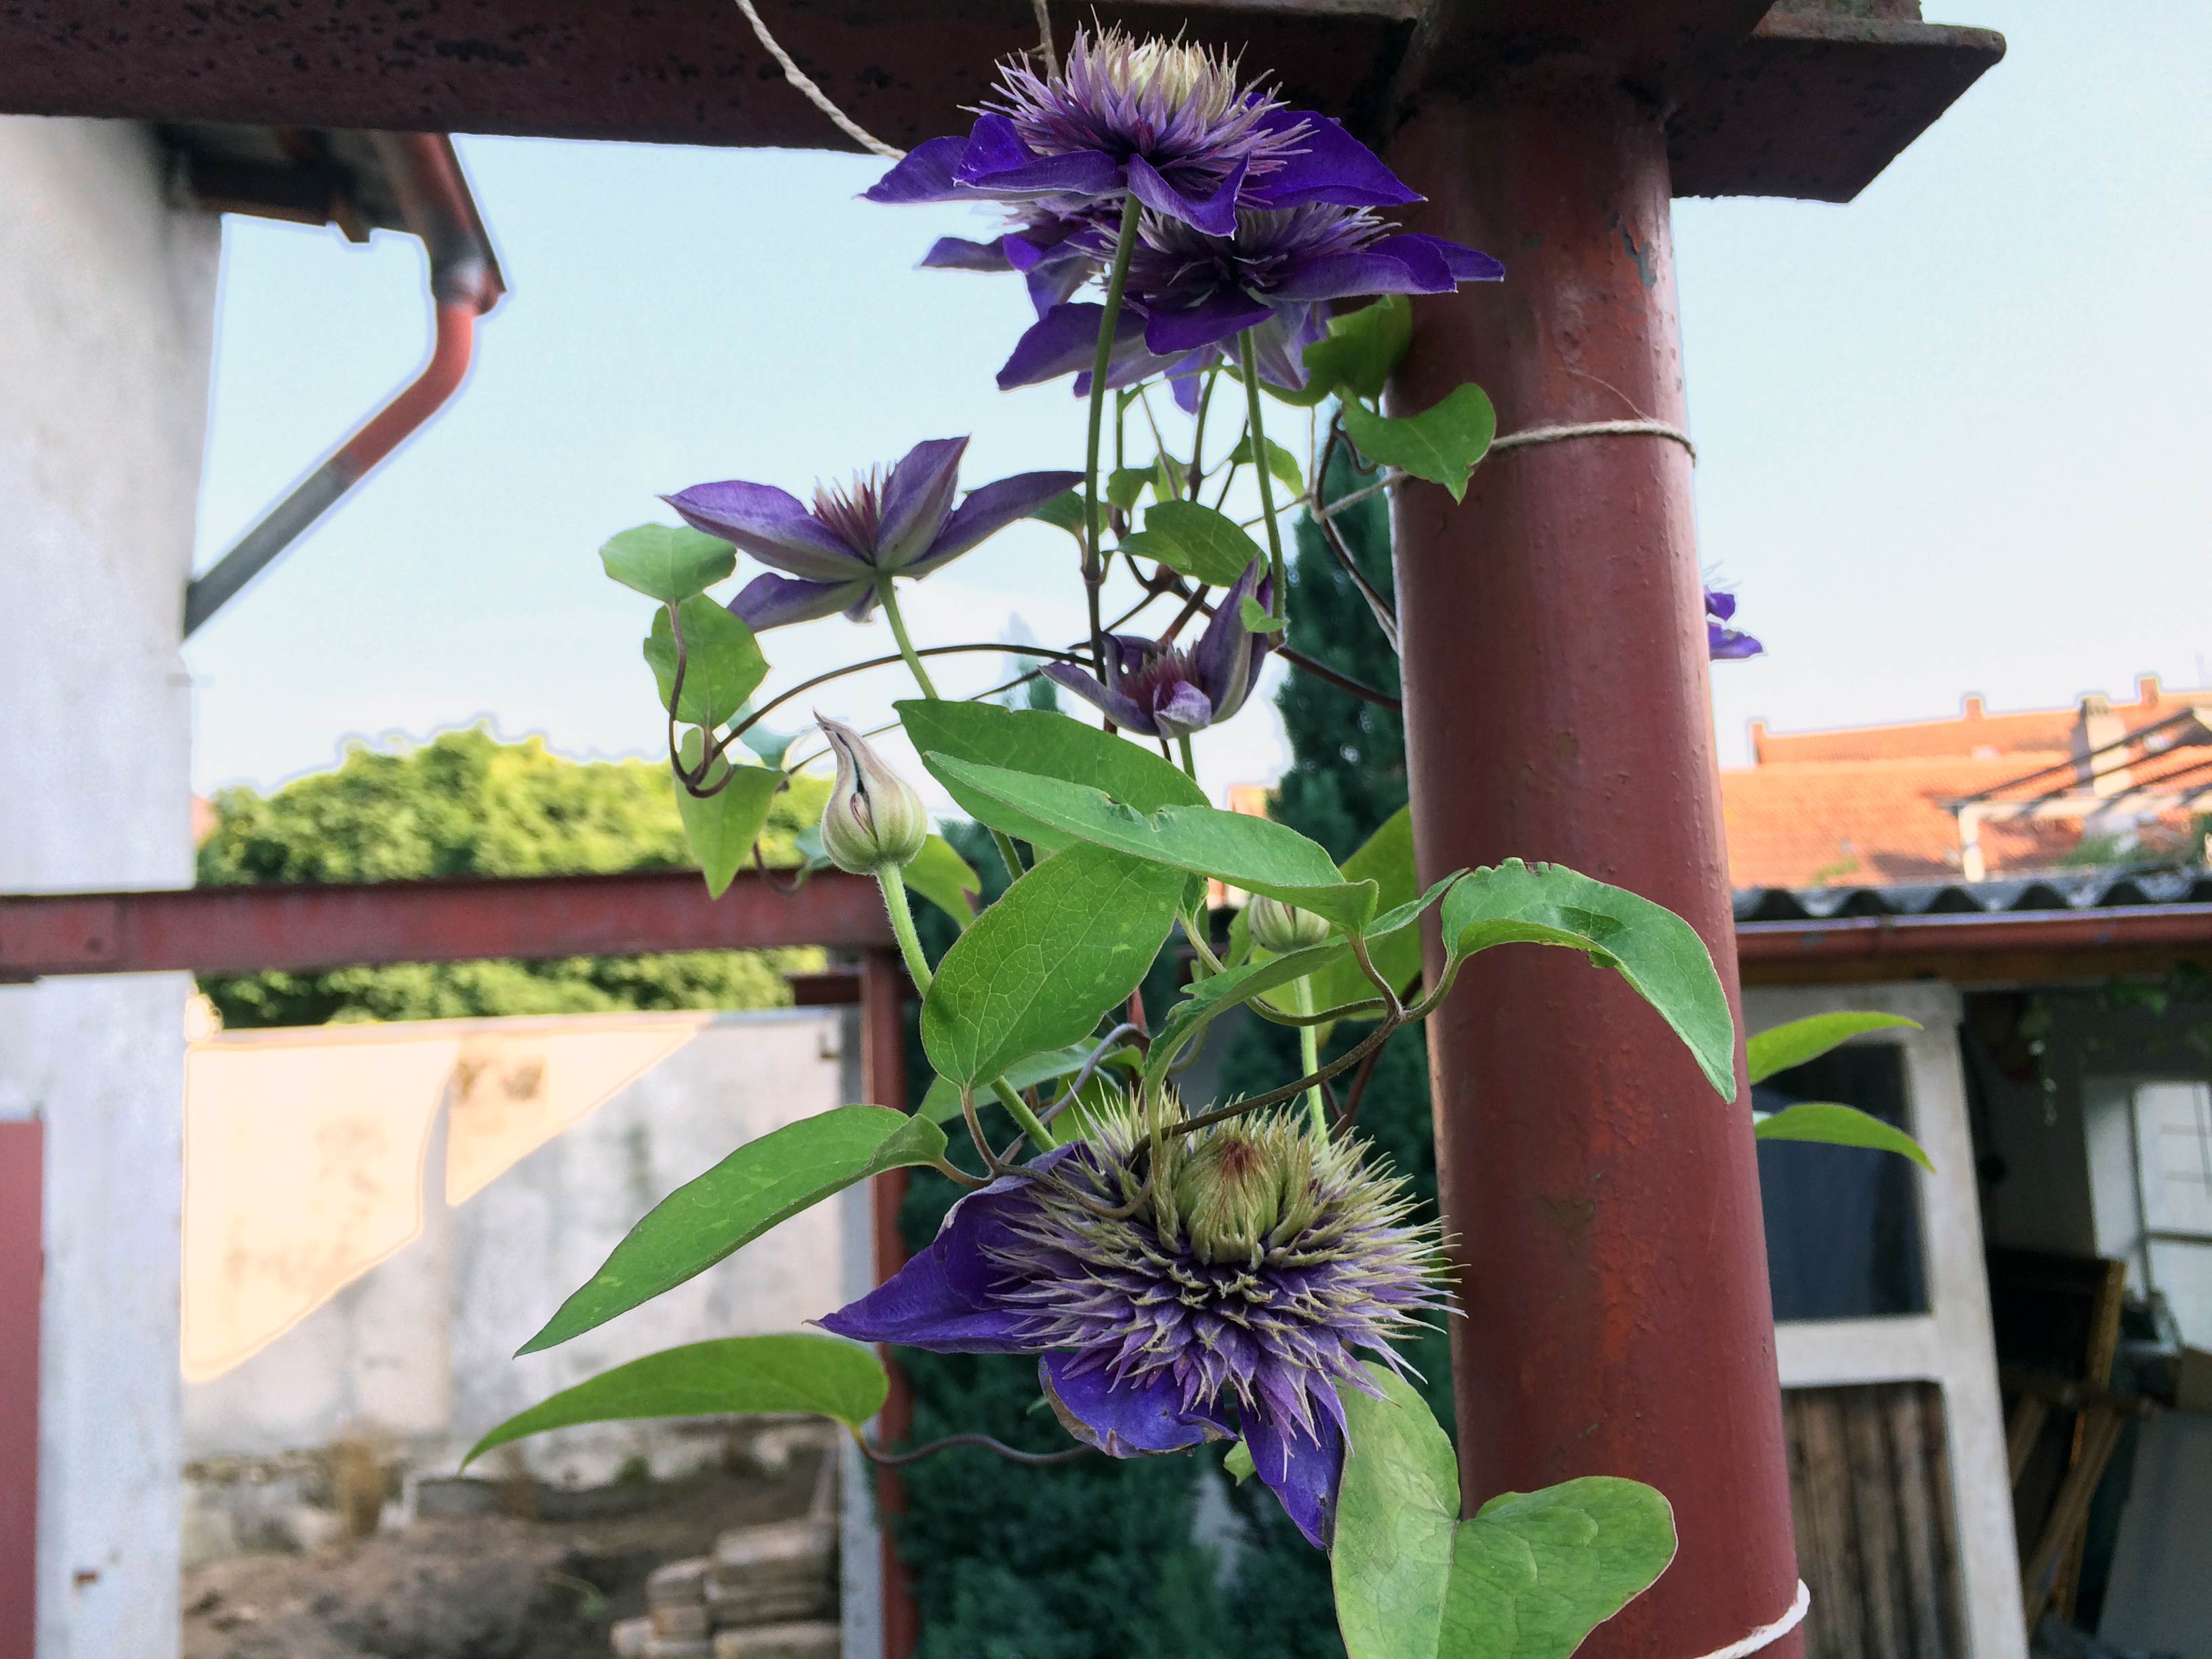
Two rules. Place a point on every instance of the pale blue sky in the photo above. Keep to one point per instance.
(1951, 435)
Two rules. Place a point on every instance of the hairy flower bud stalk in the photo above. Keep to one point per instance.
(1283, 927)
(874, 817)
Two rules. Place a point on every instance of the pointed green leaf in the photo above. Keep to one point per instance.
(1124, 484)
(722, 662)
(1397, 1513)
(946, 879)
(1064, 512)
(1280, 462)
(1801, 1040)
(942, 1103)
(1257, 854)
(1533, 1573)
(762, 1183)
(1208, 546)
(666, 565)
(1441, 444)
(1387, 860)
(1049, 744)
(819, 1375)
(1647, 944)
(722, 827)
(1206, 999)
(1069, 940)
(1836, 1124)
(1237, 1463)
(1255, 617)
(1169, 478)
(1362, 348)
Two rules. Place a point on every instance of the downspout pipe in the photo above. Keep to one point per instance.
(465, 285)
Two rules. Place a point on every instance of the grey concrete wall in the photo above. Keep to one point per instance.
(107, 309)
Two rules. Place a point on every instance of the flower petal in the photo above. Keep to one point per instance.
(775, 601)
(926, 175)
(1221, 314)
(998, 164)
(989, 510)
(771, 525)
(916, 498)
(1065, 339)
(1182, 708)
(1216, 215)
(1228, 654)
(1124, 1419)
(957, 253)
(1187, 379)
(1117, 707)
(1379, 270)
(1335, 167)
(1720, 603)
(1303, 1471)
(1726, 645)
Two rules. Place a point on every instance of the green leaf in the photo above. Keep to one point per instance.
(1203, 544)
(722, 827)
(1169, 478)
(1649, 946)
(1255, 617)
(1048, 744)
(1387, 860)
(1125, 483)
(1206, 999)
(1528, 1577)
(1280, 462)
(1533, 1573)
(764, 1183)
(1069, 939)
(1356, 357)
(819, 1374)
(1809, 1038)
(1397, 1514)
(1237, 1463)
(946, 879)
(722, 662)
(666, 565)
(1832, 1124)
(1064, 512)
(1441, 444)
(1257, 854)
(942, 1103)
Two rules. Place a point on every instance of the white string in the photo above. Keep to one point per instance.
(1767, 1635)
(1551, 434)
(814, 94)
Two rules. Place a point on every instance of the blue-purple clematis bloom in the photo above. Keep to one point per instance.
(1724, 643)
(902, 525)
(1161, 690)
(1190, 295)
(1232, 1303)
(1166, 122)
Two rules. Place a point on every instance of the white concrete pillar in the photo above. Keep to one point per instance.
(107, 309)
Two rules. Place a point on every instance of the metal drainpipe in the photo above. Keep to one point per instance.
(465, 285)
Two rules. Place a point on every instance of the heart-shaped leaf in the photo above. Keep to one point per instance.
(1361, 348)
(722, 827)
(1441, 444)
(1202, 544)
(722, 662)
(670, 565)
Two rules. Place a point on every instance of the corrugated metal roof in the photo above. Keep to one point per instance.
(2105, 888)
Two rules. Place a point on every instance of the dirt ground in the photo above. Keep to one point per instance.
(483, 1587)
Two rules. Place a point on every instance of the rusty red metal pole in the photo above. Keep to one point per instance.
(23, 1165)
(884, 986)
(1604, 1200)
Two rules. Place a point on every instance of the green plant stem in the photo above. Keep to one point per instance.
(1281, 587)
(1093, 568)
(898, 632)
(917, 965)
(1008, 853)
(1310, 1055)
(1018, 1109)
(1190, 761)
(1198, 432)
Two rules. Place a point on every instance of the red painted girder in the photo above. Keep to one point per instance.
(232, 930)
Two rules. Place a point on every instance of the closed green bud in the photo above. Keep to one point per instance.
(1284, 928)
(1239, 1185)
(874, 817)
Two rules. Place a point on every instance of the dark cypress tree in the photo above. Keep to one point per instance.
(1094, 1558)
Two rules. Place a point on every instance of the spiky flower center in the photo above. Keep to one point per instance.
(1179, 107)
(853, 512)
(1262, 1262)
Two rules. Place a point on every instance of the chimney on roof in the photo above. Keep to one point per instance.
(2100, 760)
(1973, 706)
(1758, 743)
(2147, 693)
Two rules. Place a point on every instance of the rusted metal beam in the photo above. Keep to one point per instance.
(1603, 1201)
(885, 988)
(238, 930)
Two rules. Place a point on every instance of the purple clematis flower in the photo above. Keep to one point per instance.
(1232, 1303)
(1166, 122)
(1161, 690)
(861, 537)
(1056, 253)
(1724, 643)
(1191, 295)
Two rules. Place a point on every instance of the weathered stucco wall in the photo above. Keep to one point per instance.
(106, 308)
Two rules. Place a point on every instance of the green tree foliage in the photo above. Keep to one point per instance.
(1065, 1562)
(466, 805)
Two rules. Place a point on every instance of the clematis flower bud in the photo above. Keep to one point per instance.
(1284, 928)
(874, 817)
(1239, 1186)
